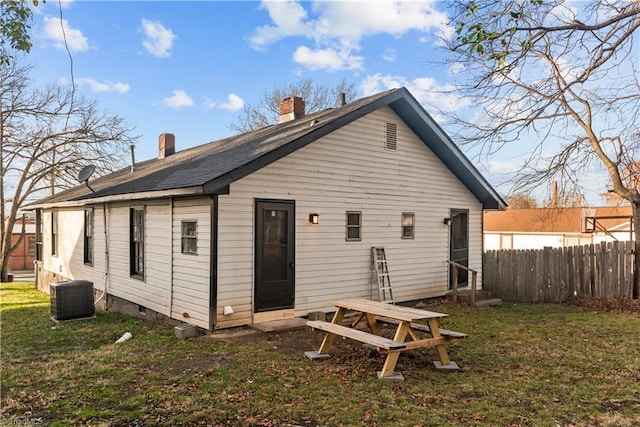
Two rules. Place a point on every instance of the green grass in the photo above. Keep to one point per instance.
(523, 365)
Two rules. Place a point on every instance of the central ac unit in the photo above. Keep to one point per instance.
(72, 300)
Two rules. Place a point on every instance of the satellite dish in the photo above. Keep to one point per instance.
(85, 173)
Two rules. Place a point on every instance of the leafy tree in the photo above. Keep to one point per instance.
(46, 136)
(317, 97)
(14, 27)
(557, 80)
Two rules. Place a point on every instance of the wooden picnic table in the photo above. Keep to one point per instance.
(404, 317)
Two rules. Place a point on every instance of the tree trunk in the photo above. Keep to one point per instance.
(636, 250)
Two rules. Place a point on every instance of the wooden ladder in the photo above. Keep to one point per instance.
(380, 270)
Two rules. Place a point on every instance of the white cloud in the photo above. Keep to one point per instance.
(53, 30)
(327, 59)
(288, 19)
(159, 40)
(432, 95)
(456, 68)
(389, 55)
(338, 27)
(179, 99)
(233, 103)
(104, 86)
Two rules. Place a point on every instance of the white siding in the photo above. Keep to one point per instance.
(190, 298)
(154, 291)
(349, 170)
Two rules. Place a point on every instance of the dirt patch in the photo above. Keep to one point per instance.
(619, 305)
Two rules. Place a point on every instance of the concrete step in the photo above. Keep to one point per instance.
(464, 295)
(488, 302)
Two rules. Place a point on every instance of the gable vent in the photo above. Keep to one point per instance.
(392, 137)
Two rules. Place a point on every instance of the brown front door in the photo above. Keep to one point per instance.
(459, 245)
(274, 252)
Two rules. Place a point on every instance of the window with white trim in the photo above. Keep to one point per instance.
(189, 237)
(88, 236)
(408, 225)
(354, 226)
(136, 242)
(54, 233)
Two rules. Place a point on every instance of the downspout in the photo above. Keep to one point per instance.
(106, 255)
(171, 255)
(213, 264)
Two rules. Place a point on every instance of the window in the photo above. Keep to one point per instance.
(39, 234)
(54, 233)
(190, 237)
(31, 244)
(391, 142)
(136, 241)
(354, 226)
(408, 223)
(88, 236)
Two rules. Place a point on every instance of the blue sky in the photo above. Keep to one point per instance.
(189, 67)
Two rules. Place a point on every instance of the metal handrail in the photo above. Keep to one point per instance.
(454, 280)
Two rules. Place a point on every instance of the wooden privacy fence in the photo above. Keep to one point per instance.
(603, 270)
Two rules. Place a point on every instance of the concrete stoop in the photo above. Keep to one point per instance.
(489, 302)
(483, 298)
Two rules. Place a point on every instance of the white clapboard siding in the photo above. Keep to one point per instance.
(154, 291)
(191, 272)
(349, 170)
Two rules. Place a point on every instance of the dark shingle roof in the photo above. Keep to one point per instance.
(210, 167)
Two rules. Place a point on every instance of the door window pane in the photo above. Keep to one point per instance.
(275, 241)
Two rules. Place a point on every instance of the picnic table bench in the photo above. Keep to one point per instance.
(405, 318)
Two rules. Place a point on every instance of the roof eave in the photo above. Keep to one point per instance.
(177, 192)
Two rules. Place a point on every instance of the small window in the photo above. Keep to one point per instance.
(354, 226)
(392, 137)
(54, 233)
(31, 242)
(88, 236)
(408, 223)
(136, 242)
(190, 237)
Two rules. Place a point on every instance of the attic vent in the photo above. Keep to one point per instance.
(392, 137)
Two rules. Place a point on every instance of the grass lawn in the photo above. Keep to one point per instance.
(522, 365)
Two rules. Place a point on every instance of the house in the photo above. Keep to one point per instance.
(276, 222)
(556, 227)
(23, 256)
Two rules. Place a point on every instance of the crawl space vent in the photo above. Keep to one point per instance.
(72, 300)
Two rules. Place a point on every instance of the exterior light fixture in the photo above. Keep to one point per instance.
(314, 218)
(447, 221)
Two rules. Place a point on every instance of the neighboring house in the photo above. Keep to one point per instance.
(24, 255)
(276, 222)
(555, 227)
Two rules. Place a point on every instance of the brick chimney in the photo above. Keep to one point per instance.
(291, 108)
(167, 145)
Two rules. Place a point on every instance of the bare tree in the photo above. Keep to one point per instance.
(317, 97)
(46, 135)
(521, 201)
(557, 81)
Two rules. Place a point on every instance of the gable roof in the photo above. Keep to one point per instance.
(210, 168)
(553, 220)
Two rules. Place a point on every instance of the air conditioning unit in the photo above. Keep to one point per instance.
(72, 300)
